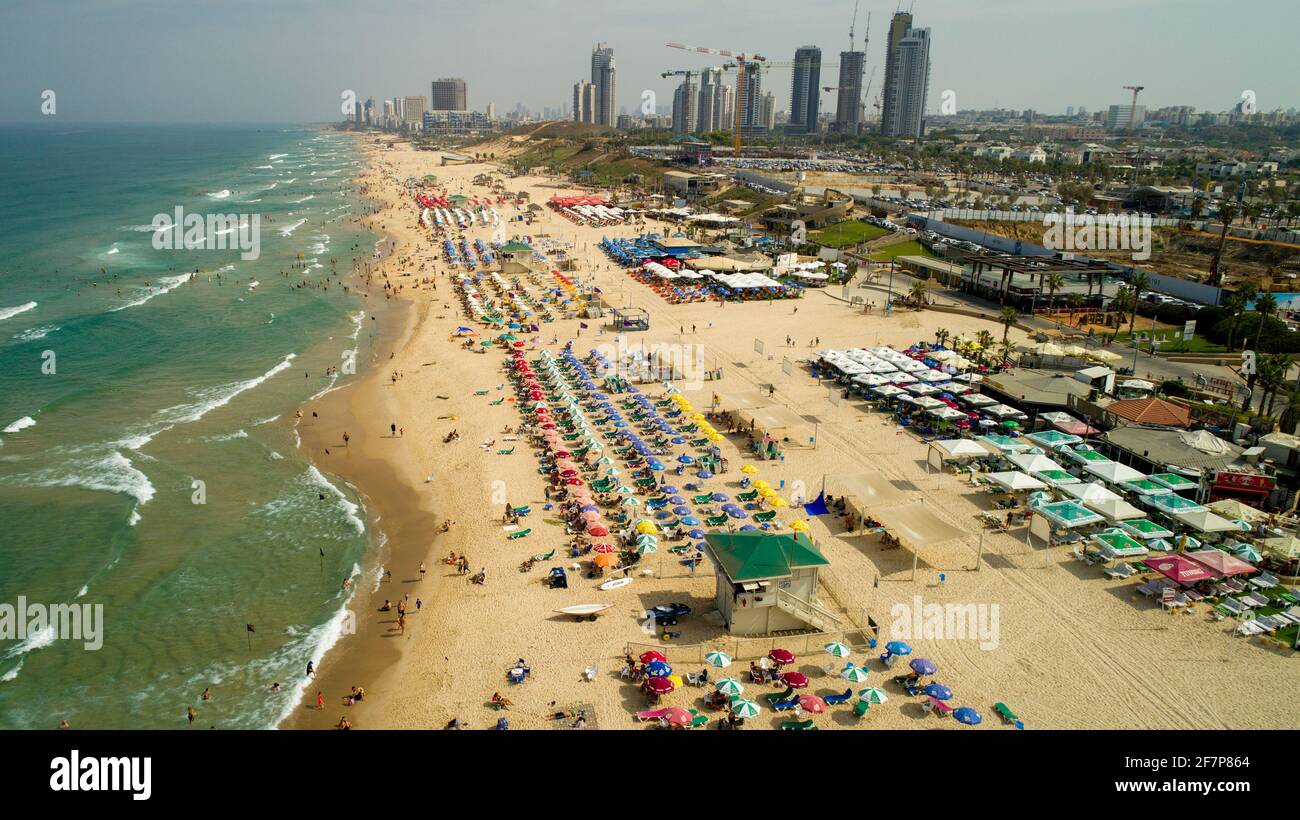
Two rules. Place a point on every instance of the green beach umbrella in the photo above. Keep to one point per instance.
(745, 709)
(604, 460)
(631, 502)
(646, 548)
(626, 490)
(718, 660)
(1248, 553)
(837, 649)
(611, 471)
(730, 687)
(873, 694)
(854, 674)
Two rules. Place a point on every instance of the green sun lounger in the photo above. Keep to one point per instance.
(505, 452)
(699, 720)
(1006, 713)
(716, 521)
(480, 392)
(773, 697)
(646, 482)
(699, 442)
(702, 499)
(796, 725)
(498, 401)
(521, 534)
(760, 517)
(548, 556)
(749, 496)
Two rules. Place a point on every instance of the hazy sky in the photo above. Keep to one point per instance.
(289, 60)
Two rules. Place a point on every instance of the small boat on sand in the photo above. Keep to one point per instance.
(614, 583)
(584, 611)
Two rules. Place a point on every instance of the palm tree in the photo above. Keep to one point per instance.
(941, 336)
(1235, 305)
(985, 340)
(1227, 213)
(918, 294)
(1264, 306)
(1273, 371)
(1139, 283)
(1007, 318)
(1291, 412)
(1055, 281)
(1005, 349)
(1123, 302)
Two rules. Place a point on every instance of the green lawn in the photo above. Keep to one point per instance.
(911, 248)
(1172, 340)
(846, 234)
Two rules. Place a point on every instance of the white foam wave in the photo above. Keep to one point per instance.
(222, 194)
(10, 312)
(285, 231)
(349, 508)
(169, 283)
(22, 424)
(32, 334)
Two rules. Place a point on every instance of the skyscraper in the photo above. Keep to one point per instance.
(684, 119)
(749, 97)
(603, 78)
(584, 102)
(448, 94)
(907, 78)
(805, 88)
(413, 110)
(713, 113)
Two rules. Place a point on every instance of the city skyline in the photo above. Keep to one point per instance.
(984, 60)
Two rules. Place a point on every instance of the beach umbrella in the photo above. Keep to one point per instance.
(781, 656)
(967, 715)
(604, 549)
(749, 469)
(704, 474)
(652, 655)
(695, 533)
(686, 459)
(730, 687)
(719, 497)
(745, 709)
(795, 680)
(660, 686)
(1248, 553)
(873, 694)
(678, 716)
(854, 674)
(937, 691)
(718, 660)
(598, 531)
(646, 527)
(738, 514)
(668, 488)
(681, 511)
(837, 649)
(799, 526)
(646, 547)
(630, 502)
(658, 669)
(923, 666)
(626, 490)
(605, 560)
(812, 704)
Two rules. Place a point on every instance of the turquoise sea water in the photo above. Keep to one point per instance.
(161, 379)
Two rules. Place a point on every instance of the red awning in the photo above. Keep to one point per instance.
(1180, 569)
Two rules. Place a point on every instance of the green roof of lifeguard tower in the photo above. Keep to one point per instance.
(754, 556)
(514, 246)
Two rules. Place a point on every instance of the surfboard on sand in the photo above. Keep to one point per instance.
(581, 611)
(614, 583)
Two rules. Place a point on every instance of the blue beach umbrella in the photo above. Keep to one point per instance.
(695, 533)
(691, 521)
(898, 648)
(967, 715)
(686, 459)
(923, 666)
(658, 669)
(937, 691)
(719, 497)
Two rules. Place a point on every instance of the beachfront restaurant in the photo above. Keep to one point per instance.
(1017, 281)
(767, 582)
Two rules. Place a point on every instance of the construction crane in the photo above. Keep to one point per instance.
(1133, 107)
(741, 60)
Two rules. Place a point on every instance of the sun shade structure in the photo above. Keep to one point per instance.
(1068, 514)
(868, 492)
(1116, 509)
(1151, 411)
(751, 556)
(917, 525)
(1145, 486)
(1033, 462)
(1232, 508)
(1181, 569)
(1146, 529)
(959, 449)
(1116, 544)
(1112, 471)
(1221, 563)
(1092, 491)
(1171, 504)
(1015, 481)
(1173, 481)
(1006, 444)
(1068, 424)
(1202, 520)
(1052, 438)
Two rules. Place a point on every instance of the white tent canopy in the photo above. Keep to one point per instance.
(1016, 481)
(957, 449)
(1116, 509)
(1033, 462)
(1206, 521)
(1112, 471)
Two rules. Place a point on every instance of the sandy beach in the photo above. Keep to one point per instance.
(1073, 649)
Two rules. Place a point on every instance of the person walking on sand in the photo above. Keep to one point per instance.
(190, 714)
(346, 438)
(423, 569)
(320, 701)
(392, 428)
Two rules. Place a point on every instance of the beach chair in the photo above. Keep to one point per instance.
(716, 521)
(1234, 607)
(836, 700)
(521, 534)
(654, 714)
(773, 697)
(785, 705)
(702, 499)
(506, 452)
(480, 392)
(749, 496)
(764, 516)
(797, 725)
(699, 721)
(1005, 712)
(1254, 599)
(498, 401)
(860, 708)
(1264, 581)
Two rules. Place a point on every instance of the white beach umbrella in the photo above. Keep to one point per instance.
(837, 649)
(730, 687)
(854, 674)
(719, 660)
(745, 709)
(873, 694)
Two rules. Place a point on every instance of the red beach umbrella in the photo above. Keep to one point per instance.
(679, 716)
(652, 655)
(795, 680)
(606, 549)
(781, 656)
(598, 531)
(812, 703)
(660, 686)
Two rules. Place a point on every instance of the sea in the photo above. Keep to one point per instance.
(148, 457)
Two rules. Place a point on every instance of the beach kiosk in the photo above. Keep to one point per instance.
(629, 318)
(767, 582)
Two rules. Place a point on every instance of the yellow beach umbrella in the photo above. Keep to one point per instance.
(714, 437)
(749, 469)
(799, 526)
(778, 501)
(697, 416)
(762, 485)
(646, 527)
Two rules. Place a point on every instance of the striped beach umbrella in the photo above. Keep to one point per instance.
(730, 687)
(745, 709)
(854, 674)
(873, 694)
(718, 660)
(837, 649)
